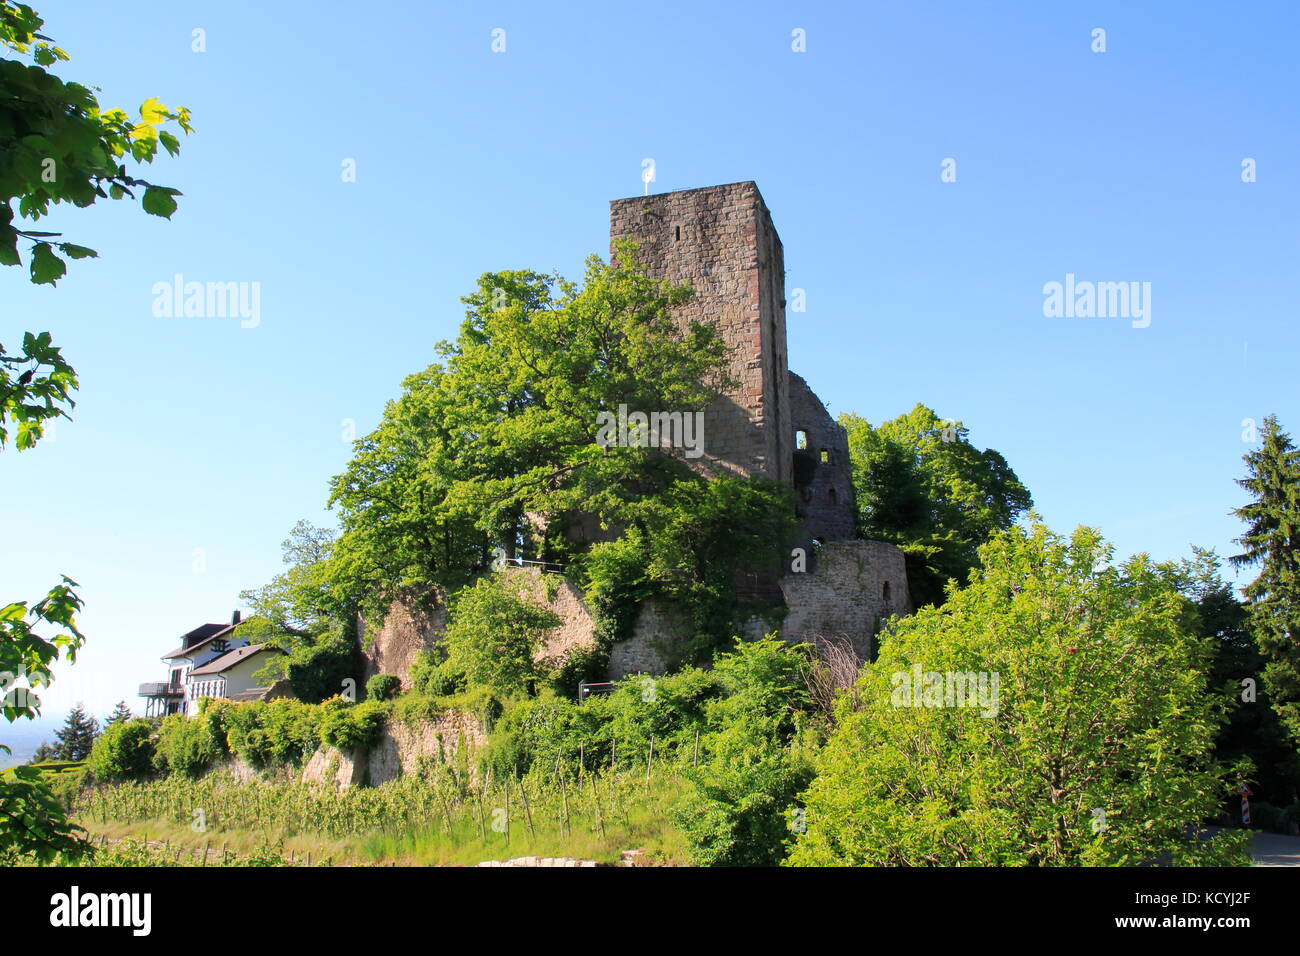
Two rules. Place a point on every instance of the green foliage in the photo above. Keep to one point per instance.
(739, 810)
(303, 612)
(688, 544)
(505, 426)
(493, 636)
(267, 733)
(36, 824)
(743, 808)
(120, 713)
(1272, 543)
(124, 751)
(36, 386)
(433, 676)
(58, 145)
(1252, 734)
(188, 745)
(1095, 750)
(76, 736)
(383, 686)
(922, 485)
(348, 726)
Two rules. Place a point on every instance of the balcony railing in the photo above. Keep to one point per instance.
(161, 689)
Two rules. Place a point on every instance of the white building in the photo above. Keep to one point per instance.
(213, 660)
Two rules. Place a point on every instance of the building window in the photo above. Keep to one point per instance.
(800, 439)
(885, 595)
(835, 496)
(826, 456)
(679, 233)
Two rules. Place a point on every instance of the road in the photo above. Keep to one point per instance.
(1274, 849)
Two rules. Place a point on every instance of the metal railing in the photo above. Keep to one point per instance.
(161, 689)
(585, 689)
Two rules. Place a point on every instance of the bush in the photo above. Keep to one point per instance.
(188, 745)
(278, 732)
(939, 768)
(124, 751)
(347, 726)
(433, 676)
(494, 635)
(383, 687)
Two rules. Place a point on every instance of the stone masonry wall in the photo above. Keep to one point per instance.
(397, 751)
(401, 747)
(404, 633)
(825, 506)
(722, 240)
(851, 587)
(657, 627)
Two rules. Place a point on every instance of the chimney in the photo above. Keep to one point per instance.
(234, 618)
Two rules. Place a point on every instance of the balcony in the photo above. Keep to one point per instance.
(161, 689)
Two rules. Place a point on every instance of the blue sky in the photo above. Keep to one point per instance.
(1116, 166)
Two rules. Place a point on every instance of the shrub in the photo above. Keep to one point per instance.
(494, 635)
(124, 751)
(1092, 698)
(433, 676)
(348, 726)
(188, 745)
(383, 687)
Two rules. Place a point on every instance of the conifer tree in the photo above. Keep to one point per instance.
(1272, 543)
(76, 736)
(121, 713)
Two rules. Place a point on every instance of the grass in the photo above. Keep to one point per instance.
(640, 820)
(438, 821)
(50, 768)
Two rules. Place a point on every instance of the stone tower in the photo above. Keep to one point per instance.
(722, 240)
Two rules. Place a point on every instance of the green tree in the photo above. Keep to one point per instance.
(124, 751)
(922, 485)
(303, 611)
(1272, 543)
(57, 145)
(120, 714)
(495, 444)
(743, 809)
(77, 735)
(493, 636)
(1053, 712)
(1252, 731)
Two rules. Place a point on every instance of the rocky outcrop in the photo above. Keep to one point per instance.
(400, 748)
(330, 766)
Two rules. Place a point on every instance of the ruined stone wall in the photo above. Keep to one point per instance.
(577, 630)
(722, 240)
(399, 750)
(825, 505)
(407, 631)
(658, 627)
(851, 587)
(390, 647)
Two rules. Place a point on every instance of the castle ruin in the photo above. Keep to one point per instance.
(722, 240)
